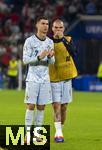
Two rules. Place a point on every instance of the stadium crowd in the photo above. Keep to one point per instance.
(17, 21)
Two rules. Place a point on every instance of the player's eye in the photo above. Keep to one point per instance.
(56, 27)
(44, 23)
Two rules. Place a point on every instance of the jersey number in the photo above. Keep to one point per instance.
(36, 52)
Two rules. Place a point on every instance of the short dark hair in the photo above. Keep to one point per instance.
(40, 18)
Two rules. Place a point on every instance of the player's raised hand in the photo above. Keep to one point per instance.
(58, 34)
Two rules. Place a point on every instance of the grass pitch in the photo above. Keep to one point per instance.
(83, 127)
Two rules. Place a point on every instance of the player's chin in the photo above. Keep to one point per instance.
(45, 31)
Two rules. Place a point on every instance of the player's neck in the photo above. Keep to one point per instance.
(41, 36)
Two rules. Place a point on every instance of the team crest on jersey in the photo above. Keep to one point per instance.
(48, 47)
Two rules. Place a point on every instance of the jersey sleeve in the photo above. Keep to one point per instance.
(28, 56)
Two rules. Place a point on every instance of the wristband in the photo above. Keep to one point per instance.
(38, 58)
(48, 57)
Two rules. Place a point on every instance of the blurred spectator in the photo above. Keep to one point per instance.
(1, 34)
(7, 29)
(14, 27)
(25, 10)
(3, 7)
(59, 8)
(12, 73)
(5, 54)
(72, 9)
(50, 12)
(91, 8)
(2, 48)
(15, 18)
(28, 25)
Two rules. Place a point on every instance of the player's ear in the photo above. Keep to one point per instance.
(36, 25)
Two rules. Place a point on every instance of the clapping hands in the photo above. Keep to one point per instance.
(49, 53)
